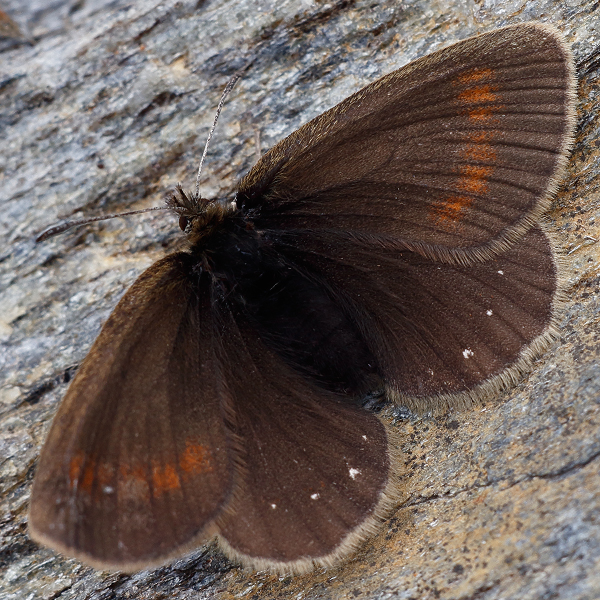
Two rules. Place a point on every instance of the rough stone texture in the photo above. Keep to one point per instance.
(108, 110)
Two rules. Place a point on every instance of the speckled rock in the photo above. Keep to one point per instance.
(109, 109)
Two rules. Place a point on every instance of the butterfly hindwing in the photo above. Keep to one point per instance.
(441, 333)
(315, 469)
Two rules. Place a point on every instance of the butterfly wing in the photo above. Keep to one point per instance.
(138, 462)
(407, 201)
(441, 333)
(180, 417)
(314, 469)
(453, 155)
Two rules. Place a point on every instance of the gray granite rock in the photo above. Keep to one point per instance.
(109, 109)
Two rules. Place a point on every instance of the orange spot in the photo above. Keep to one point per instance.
(474, 179)
(89, 472)
(478, 95)
(478, 137)
(451, 208)
(474, 76)
(195, 459)
(480, 152)
(164, 479)
(483, 113)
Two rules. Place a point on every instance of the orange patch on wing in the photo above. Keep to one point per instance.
(477, 100)
(474, 179)
(479, 149)
(480, 152)
(164, 479)
(89, 475)
(195, 459)
(86, 473)
(474, 76)
(478, 95)
(483, 114)
(451, 208)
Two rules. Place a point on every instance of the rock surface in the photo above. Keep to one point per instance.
(109, 109)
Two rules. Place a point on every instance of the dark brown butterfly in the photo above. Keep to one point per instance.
(394, 240)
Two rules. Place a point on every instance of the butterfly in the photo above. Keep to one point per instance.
(394, 241)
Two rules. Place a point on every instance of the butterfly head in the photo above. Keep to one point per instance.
(198, 217)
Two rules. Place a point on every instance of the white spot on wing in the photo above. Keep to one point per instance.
(500, 272)
(354, 473)
(467, 352)
(489, 312)
(314, 496)
(107, 489)
(273, 505)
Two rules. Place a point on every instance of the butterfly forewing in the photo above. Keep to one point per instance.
(137, 463)
(453, 155)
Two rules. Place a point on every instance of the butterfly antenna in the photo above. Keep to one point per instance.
(60, 227)
(224, 95)
(65, 225)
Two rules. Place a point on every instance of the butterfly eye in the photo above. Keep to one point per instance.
(183, 223)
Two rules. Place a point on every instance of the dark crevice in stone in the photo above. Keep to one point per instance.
(40, 390)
